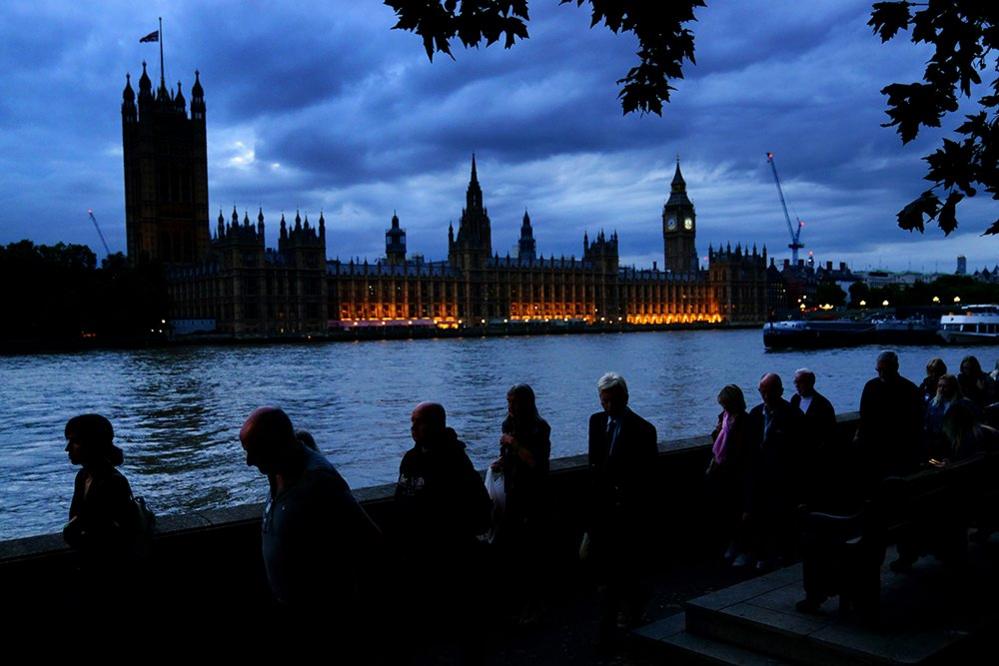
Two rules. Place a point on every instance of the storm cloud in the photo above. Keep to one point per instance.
(323, 107)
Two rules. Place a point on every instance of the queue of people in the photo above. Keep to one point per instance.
(785, 454)
(321, 551)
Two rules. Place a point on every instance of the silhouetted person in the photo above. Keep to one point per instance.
(622, 456)
(728, 473)
(948, 394)
(525, 449)
(775, 436)
(819, 456)
(976, 386)
(890, 432)
(965, 434)
(935, 369)
(102, 523)
(317, 540)
(441, 507)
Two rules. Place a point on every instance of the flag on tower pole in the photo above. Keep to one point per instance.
(157, 36)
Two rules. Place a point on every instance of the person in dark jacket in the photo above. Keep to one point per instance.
(976, 386)
(441, 508)
(775, 444)
(102, 516)
(935, 369)
(622, 457)
(519, 529)
(525, 449)
(890, 435)
(727, 474)
(440, 498)
(819, 457)
(318, 543)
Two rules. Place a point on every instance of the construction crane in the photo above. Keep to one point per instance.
(795, 232)
(107, 250)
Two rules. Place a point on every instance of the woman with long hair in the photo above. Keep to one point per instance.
(727, 473)
(519, 530)
(103, 519)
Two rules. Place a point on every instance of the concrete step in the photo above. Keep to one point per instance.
(759, 616)
(668, 638)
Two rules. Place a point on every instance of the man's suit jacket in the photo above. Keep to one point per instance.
(622, 473)
(819, 424)
(776, 441)
(821, 467)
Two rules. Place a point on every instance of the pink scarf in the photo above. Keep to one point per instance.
(720, 448)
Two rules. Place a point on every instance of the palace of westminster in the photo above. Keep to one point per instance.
(227, 281)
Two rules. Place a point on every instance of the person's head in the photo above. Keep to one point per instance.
(429, 421)
(771, 388)
(520, 403)
(89, 441)
(936, 368)
(268, 437)
(731, 399)
(948, 388)
(804, 382)
(613, 393)
(887, 366)
(307, 440)
(970, 366)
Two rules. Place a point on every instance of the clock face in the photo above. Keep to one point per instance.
(671, 223)
(688, 224)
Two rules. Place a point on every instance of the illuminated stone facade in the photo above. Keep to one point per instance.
(231, 283)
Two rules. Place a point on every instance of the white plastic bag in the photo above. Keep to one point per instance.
(496, 487)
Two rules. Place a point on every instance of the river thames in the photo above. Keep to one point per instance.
(177, 411)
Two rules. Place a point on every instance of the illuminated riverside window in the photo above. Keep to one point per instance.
(254, 290)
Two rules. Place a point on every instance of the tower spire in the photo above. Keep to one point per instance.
(678, 184)
(475, 177)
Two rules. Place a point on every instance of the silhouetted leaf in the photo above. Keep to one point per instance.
(952, 165)
(946, 218)
(889, 17)
(911, 217)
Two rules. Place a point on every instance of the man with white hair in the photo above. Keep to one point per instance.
(622, 455)
(818, 439)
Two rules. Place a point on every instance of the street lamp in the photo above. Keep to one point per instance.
(957, 299)
(863, 304)
(884, 303)
(936, 299)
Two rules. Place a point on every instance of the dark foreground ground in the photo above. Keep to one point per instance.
(567, 630)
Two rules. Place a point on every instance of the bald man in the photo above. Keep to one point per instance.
(441, 507)
(441, 498)
(774, 437)
(316, 537)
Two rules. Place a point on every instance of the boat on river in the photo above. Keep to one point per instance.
(817, 333)
(825, 333)
(919, 330)
(974, 324)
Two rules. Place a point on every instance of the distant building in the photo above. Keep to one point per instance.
(232, 279)
(962, 265)
(166, 173)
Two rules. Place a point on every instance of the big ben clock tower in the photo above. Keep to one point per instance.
(679, 227)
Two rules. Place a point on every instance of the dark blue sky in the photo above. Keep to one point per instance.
(325, 107)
